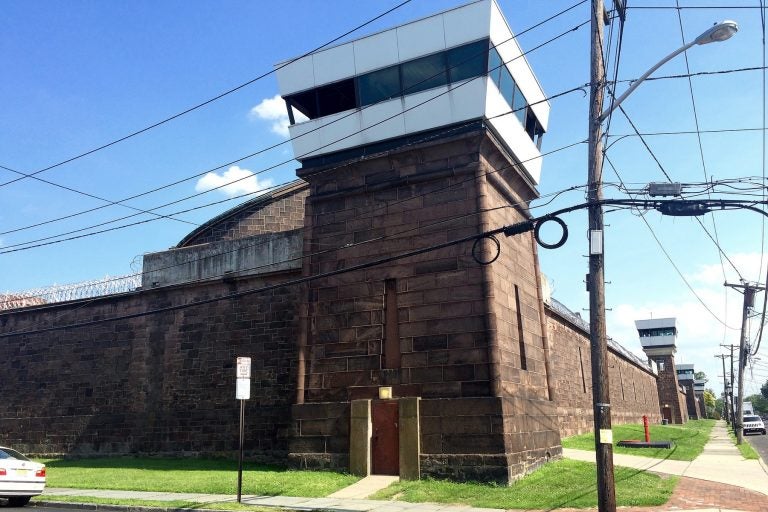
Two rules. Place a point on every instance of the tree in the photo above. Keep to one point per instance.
(700, 376)
(710, 401)
(764, 390)
(759, 403)
(719, 408)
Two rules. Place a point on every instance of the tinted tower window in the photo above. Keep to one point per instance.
(467, 61)
(379, 85)
(424, 73)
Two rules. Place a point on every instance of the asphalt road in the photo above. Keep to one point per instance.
(759, 443)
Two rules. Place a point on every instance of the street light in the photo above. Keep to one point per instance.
(606, 492)
(715, 34)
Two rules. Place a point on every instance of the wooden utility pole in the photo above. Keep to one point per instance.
(725, 389)
(606, 492)
(749, 291)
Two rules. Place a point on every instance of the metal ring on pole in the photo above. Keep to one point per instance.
(475, 246)
(557, 244)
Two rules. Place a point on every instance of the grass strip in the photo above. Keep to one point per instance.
(564, 483)
(687, 440)
(745, 448)
(208, 476)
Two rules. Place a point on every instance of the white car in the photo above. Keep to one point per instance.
(20, 478)
(753, 424)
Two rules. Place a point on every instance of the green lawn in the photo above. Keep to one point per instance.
(687, 440)
(210, 476)
(564, 483)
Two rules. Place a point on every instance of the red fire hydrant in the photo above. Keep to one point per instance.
(647, 429)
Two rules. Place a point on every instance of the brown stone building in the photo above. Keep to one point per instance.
(450, 363)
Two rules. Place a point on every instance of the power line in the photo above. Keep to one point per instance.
(34, 243)
(684, 132)
(47, 240)
(762, 165)
(240, 159)
(206, 102)
(87, 194)
(273, 146)
(691, 7)
(716, 239)
(698, 73)
(663, 170)
(669, 257)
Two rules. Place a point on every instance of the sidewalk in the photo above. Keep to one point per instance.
(719, 462)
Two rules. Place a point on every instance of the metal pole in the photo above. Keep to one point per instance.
(730, 394)
(240, 455)
(725, 388)
(606, 492)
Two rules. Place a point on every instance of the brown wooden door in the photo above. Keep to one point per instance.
(385, 445)
(666, 413)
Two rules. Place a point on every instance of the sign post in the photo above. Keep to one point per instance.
(242, 393)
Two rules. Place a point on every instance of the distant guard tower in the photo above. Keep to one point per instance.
(699, 386)
(433, 365)
(686, 378)
(657, 336)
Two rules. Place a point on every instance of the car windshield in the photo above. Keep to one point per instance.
(751, 418)
(7, 453)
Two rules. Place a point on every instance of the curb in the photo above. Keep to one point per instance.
(762, 464)
(113, 508)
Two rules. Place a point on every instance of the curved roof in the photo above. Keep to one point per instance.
(254, 204)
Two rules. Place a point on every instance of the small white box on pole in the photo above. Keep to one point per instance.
(596, 241)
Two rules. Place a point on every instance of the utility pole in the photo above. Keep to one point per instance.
(725, 388)
(606, 491)
(749, 303)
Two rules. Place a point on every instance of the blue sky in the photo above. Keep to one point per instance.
(79, 74)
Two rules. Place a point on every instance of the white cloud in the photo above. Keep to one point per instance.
(712, 275)
(234, 181)
(272, 109)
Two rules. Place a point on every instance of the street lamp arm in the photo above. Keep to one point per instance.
(715, 34)
(636, 83)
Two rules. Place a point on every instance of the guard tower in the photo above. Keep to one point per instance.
(436, 364)
(658, 336)
(686, 378)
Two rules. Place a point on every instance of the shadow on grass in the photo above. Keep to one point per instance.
(593, 489)
(161, 464)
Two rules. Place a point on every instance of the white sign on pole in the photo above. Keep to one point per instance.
(243, 367)
(243, 389)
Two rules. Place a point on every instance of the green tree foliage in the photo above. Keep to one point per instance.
(759, 402)
(718, 409)
(764, 390)
(700, 376)
(710, 401)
